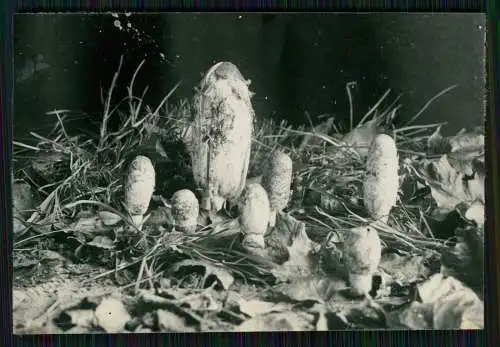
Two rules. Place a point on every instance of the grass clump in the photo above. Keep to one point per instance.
(328, 171)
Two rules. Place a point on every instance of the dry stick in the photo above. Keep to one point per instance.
(351, 106)
(106, 116)
(26, 146)
(427, 104)
(365, 117)
(167, 97)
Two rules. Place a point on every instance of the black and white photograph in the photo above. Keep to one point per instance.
(246, 172)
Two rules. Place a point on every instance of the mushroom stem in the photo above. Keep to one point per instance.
(272, 218)
(254, 240)
(360, 284)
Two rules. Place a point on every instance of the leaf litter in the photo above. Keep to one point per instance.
(161, 280)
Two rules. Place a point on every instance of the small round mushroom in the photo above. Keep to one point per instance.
(139, 187)
(277, 180)
(185, 210)
(362, 254)
(254, 215)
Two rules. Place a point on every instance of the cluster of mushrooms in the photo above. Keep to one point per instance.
(219, 142)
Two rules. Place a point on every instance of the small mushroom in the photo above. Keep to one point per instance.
(381, 183)
(185, 210)
(362, 254)
(277, 180)
(139, 188)
(254, 215)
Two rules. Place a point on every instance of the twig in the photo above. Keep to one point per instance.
(428, 103)
(375, 107)
(107, 115)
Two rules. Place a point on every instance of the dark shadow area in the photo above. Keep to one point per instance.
(297, 62)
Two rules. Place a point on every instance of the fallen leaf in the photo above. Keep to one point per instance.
(323, 128)
(460, 308)
(464, 259)
(81, 318)
(283, 321)
(365, 316)
(328, 320)
(300, 262)
(111, 315)
(160, 150)
(257, 307)
(102, 242)
(171, 323)
(109, 218)
(78, 330)
(88, 225)
(405, 269)
(476, 213)
(438, 286)
(361, 137)
(437, 144)
(23, 199)
(316, 287)
(201, 302)
(464, 140)
(415, 316)
(450, 187)
(221, 274)
(159, 216)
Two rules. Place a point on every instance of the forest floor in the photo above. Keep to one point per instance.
(77, 269)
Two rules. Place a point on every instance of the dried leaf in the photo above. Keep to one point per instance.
(361, 137)
(404, 269)
(221, 274)
(460, 308)
(323, 128)
(365, 316)
(109, 218)
(438, 286)
(89, 225)
(160, 216)
(160, 150)
(23, 200)
(81, 318)
(283, 321)
(462, 150)
(257, 307)
(103, 242)
(476, 213)
(464, 259)
(111, 315)
(415, 316)
(437, 144)
(471, 141)
(300, 262)
(316, 287)
(201, 302)
(172, 323)
(450, 187)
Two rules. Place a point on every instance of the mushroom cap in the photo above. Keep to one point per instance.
(139, 185)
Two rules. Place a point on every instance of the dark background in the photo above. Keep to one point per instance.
(297, 62)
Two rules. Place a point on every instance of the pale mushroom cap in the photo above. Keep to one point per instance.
(254, 210)
(221, 134)
(277, 180)
(362, 250)
(381, 183)
(185, 206)
(224, 69)
(139, 185)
